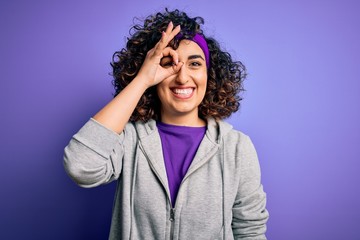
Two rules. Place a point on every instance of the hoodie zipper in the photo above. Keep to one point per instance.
(172, 209)
(172, 219)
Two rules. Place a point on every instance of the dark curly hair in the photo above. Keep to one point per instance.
(225, 77)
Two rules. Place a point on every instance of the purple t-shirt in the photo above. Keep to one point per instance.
(179, 145)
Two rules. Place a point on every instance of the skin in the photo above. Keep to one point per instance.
(181, 93)
(117, 112)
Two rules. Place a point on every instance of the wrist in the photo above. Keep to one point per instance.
(141, 82)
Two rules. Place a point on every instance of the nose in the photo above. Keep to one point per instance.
(182, 76)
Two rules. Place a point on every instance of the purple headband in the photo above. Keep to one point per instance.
(199, 40)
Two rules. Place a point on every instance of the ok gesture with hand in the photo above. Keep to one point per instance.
(151, 70)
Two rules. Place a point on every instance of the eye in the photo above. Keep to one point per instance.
(166, 62)
(195, 64)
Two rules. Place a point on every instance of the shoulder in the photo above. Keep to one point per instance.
(227, 132)
(235, 141)
(141, 129)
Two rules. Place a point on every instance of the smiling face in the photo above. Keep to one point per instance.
(181, 94)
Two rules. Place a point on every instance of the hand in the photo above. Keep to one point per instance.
(151, 70)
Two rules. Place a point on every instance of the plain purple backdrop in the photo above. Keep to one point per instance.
(301, 108)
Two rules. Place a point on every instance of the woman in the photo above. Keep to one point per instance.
(182, 172)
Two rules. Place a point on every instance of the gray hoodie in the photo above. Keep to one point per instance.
(221, 196)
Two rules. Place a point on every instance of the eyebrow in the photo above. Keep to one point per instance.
(189, 57)
(195, 56)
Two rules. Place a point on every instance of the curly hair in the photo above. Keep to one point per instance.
(225, 77)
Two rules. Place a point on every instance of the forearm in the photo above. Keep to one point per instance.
(117, 112)
(249, 210)
(250, 216)
(94, 155)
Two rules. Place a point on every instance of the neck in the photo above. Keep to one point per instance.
(183, 120)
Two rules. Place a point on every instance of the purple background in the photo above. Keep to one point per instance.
(301, 108)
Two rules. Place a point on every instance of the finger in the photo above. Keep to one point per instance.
(173, 33)
(170, 33)
(174, 69)
(169, 27)
(166, 37)
(177, 67)
(159, 47)
(171, 52)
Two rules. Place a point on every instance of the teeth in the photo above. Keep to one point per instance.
(183, 91)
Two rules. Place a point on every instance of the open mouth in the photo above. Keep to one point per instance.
(183, 92)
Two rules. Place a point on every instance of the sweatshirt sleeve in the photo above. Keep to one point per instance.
(94, 155)
(249, 209)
